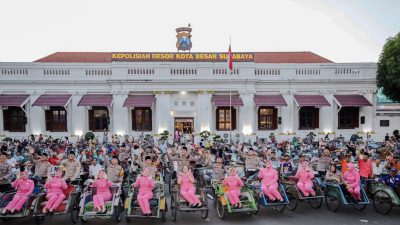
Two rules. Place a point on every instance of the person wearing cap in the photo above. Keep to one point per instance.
(41, 165)
(24, 188)
(187, 189)
(274, 161)
(114, 170)
(5, 174)
(287, 166)
(269, 182)
(145, 183)
(178, 160)
(392, 180)
(123, 153)
(55, 187)
(218, 172)
(146, 161)
(233, 183)
(72, 167)
(103, 193)
(324, 160)
(252, 161)
(94, 168)
(365, 167)
(10, 160)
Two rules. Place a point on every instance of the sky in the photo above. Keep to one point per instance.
(340, 30)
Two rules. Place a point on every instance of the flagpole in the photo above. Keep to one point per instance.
(230, 94)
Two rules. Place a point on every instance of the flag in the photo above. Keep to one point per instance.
(230, 64)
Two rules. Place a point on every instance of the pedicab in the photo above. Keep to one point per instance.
(70, 205)
(179, 204)
(26, 209)
(223, 206)
(158, 204)
(383, 197)
(295, 195)
(335, 198)
(113, 206)
(262, 199)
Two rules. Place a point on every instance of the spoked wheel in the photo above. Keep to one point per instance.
(315, 203)
(280, 208)
(220, 210)
(293, 201)
(360, 207)
(332, 200)
(257, 202)
(83, 220)
(39, 220)
(117, 211)
(382, 202)
(174, 209)
(75, 210)
(204, 213)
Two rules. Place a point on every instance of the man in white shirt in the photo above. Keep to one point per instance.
(377, 168)
(10, 160)
(94, 168)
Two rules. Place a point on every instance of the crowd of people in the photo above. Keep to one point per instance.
(54, 163)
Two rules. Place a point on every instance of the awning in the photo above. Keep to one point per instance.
(269, 100)
(311, 100)
(352, 100)
(96, 100)
(139, 101)
(53, 100)
(223, 100)
(13, 100)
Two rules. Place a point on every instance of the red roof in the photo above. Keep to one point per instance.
(289, 57)
(77, 57)
(352, 100)
(139, 101)
(259, 57)
(225, 100)
(52, 100)
(311, 100)
(269, 100)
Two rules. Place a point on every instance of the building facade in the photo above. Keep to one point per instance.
(285, 93)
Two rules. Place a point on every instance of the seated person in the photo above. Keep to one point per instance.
(103, 192)
(393, 180)
(188, 191)
(55, 194)
(305, 176)
(269, 179)
(145, 183)
(352, 181)
(24, 188)
(233, 184)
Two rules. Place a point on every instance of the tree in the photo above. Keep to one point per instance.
(388, 74)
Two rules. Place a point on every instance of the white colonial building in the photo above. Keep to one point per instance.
(287, 93)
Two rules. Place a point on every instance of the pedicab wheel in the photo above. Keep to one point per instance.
(220, 210)
(174, 209)
(117, 214)
(293, 201)
(257, 203)
(83, 220)
(332, 200)
(39, 220)
(280, 208)
(204, 213)
(315, 203)
(382, 202)
(75, 210)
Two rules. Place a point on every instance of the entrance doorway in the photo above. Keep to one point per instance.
(184, 124)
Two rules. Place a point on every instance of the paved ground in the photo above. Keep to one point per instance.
(303, 215)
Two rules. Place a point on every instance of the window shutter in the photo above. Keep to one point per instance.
(134, 119)
(315, 119)
(233, 116)
(355, 117)
(49, 118)
(150, 120)
(217, 119)
(91, 119)
(275, 119)
(6, 119)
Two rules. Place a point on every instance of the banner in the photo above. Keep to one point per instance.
(180, 57)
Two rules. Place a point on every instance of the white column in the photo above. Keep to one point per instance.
(1, 121)
(246, 120)
(36, 117)
(204, 112)
(79, 115)
(288, 114)
(163, 113)
(119, 115)
(327, 115)
(368, 112)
